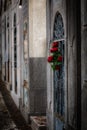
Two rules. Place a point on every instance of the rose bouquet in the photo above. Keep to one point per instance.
(55, 59)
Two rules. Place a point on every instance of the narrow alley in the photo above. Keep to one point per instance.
(43, 64)
(10, 116)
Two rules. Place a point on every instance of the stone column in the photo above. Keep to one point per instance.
(74, 64)
(84, 62)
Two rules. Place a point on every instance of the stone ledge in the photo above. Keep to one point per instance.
(38, 122)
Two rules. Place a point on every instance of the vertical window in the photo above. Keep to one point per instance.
(5, 3)
(8, 44)
(25, 42)
(15, 52)
(25, 63)
(59, 75)
(5, 48)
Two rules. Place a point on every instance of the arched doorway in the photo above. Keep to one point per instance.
(59, 75)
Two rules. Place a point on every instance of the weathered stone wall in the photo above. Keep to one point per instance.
(37, 56)
(23, 16)
(37, 28)
(84, 62)
(53, 7)
(38, 85)
(15, 94)
(70, 11)
(72, 65)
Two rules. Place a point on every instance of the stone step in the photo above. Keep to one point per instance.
(38, 122)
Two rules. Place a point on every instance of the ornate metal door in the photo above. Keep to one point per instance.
(59, 76)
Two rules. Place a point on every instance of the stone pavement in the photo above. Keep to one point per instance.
(6, 123)
(10, 116)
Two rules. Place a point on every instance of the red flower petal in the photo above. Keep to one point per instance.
(53, 49)
(55, 44)
(60, 58)
(50, 58)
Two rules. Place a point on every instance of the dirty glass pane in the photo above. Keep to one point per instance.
(59, 75)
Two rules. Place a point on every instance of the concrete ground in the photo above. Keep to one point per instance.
(6, 122)
(10, 116)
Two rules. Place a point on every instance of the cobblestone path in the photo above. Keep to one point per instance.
(10, 116)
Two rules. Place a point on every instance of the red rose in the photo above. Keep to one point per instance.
(60, 58)
(50, 58)
(57, 67)
(55, 44)
(53, 49)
